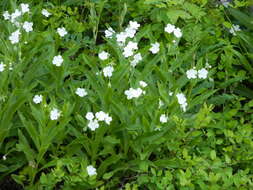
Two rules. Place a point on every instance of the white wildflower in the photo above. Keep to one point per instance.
(108, 71)
(15, 15)
(121, 37)
(108, 119)
(202, 73)
(37, 99)
(45, 13)
(24, 8)
(81, 92)
(2, 66)
(191, 74)
(137, 58)
(155, 47)
(57, 60)
(91, 170)
(28, 26)
(89, 116)
(93, 125)
(234, 29)
(163, 118)
(182, 100)
(130, 32)
(109, 33)
(14, 37)
(4, 157)
(103, 55)
(100, 116)
(62, 31)
(133, 93)
(134, 25)
(6, 15)
(143, 84)
(177, 32)
(55, 114)
(169, 28)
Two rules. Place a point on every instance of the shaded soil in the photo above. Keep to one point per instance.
(9, 184)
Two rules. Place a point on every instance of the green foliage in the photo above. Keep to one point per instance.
(209, 146)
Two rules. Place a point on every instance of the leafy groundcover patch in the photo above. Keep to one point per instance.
(126, 94)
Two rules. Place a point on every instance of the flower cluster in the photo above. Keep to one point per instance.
(99, 116)
(173, 29)
(13, 18)
(234, 29)
(193, 73)
(121, 38)
(133, 93)
(182, 101)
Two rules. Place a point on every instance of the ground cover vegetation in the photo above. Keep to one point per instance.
(126, 94)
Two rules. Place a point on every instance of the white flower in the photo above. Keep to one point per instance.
(6, 15)
(163, 118)
(181, 98)
(132, 45)
(108, 119)
(134, 25)
(121, 37)
(93, 125)
(91, 170)
(191, 74)
(45, 13)
(128, 52)
(137, 59)
(62, 31)
(100, 116)
(37, 99)
(130, 32)
(155, 47)
(234, 29)
(170, 93)
(15, 15)
(54, 114)
(14, 37)
(4, 157)
(57, 60)
(177, 32)
(202, 73)
(108, 71)
(143, 84)
(24, 8)
(28, 26)
(169, 28)
(133, 93)
(103, 55)
(109, 32)
(89, 116)
(2, 66)
(182, 101)
(81, 92)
